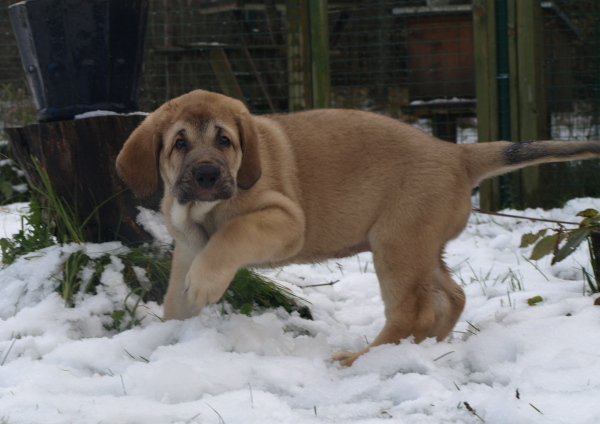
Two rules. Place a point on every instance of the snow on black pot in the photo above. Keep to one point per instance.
(81, 55)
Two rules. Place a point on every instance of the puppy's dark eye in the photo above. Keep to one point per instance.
(180, 144)
(224, 141)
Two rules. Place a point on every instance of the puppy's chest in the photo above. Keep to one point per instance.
(193, 222)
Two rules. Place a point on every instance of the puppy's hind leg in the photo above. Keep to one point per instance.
(448, 302)
(406, 268)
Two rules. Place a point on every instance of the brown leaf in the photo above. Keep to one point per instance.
(530, 238)
(544, 247)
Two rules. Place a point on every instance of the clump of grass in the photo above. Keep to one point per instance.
(50, 221)
(145, 273)
(515, 280)
(12, 179)
(562, 242)
(71, 281)
(250, 291)
(35, 234)
(592, 281)
(58, 212)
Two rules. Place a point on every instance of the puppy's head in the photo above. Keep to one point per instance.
(203, 144)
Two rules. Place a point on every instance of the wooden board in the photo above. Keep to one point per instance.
(440, 52)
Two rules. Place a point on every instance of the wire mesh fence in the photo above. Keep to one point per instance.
(410, 59)
(239, 50)
(570, 56)
(16, 104)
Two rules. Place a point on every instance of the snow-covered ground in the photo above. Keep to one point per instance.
(508, 361)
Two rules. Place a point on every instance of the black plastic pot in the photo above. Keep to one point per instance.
(81, 55)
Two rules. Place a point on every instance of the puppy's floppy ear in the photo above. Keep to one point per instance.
(250, 170)
(137, 163)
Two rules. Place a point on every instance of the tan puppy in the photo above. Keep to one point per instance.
(256, 191)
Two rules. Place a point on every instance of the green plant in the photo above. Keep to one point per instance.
(35, 234)
(250, 290)
(12, 182)
(593, 283)
(69, 284)
(58, 213)
(50, 221)
(562, 242)
(145, 273)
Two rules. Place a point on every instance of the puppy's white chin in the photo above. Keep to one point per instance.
(199, 209)
(185, 215)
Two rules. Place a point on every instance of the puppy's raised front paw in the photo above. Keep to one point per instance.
(203, 286)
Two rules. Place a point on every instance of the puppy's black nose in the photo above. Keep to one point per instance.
(206, 175)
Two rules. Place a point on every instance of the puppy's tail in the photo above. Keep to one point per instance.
(485, 160)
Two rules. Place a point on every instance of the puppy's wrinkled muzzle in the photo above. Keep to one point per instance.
(203, 182)
(206, 176)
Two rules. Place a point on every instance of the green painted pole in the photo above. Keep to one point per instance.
(319, 40)
(484, 34)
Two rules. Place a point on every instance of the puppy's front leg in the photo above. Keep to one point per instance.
(271, 234)
(176, 304)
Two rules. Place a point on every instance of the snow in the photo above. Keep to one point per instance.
(510, 362)
(444, 100)
(96, 113)
(11, 219)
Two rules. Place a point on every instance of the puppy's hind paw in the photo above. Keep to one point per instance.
(346, 358)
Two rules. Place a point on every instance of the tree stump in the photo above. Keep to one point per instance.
(78, 156)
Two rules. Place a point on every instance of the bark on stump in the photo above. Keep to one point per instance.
(78, 157)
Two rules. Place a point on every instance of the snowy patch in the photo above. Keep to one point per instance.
(96, 113)
(153, 222)
(511, 362)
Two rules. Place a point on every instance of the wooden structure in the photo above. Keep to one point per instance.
(443, 114)
(529, 87)
(440, 51)
(452, 60)
(78, 158)
(302, 58)
(441, 68)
